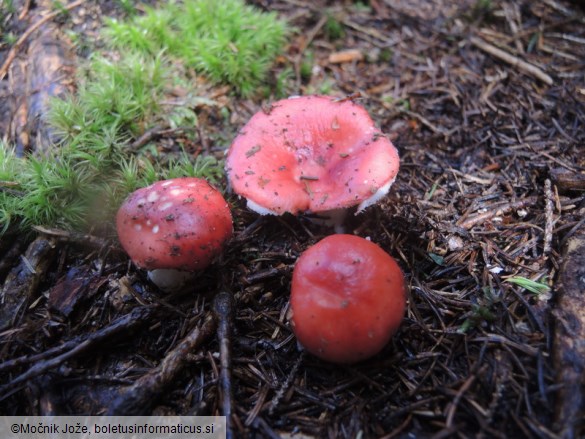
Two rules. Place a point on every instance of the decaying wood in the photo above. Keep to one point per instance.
(50, 69)
(344, 56)
(22, 282)
(41, 73)
(32, 29)
(569, 342)
(11, 251)
(76, 286)
(139, 398)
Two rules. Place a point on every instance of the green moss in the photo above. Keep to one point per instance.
(114, 101)
(306, 68)
(333, 28)
(226, 40)
(482, 312)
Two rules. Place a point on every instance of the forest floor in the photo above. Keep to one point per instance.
(485, 101)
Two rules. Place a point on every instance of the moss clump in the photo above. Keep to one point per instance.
(225, 40)
(113, 103)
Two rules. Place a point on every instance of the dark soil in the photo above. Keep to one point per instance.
(491, 186)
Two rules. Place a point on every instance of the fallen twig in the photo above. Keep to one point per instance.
(223, 309)
(548, 213)
(303, 46)
(139, 398)
(452, 407)
(25, 10)
(493, 211)
(514, 61)
(434, 128)
(286, 385)
(75, 237)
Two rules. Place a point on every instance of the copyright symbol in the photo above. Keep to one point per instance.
(14, 428)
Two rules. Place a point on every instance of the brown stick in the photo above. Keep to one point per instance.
(498, 209)
(140, 397)
(15, 48)
(512, 60)
(549, 220)
(304, 44)
(223, 309)
(25, 10)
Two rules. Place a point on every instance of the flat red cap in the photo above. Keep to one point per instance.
(177, 224)
(310, 154)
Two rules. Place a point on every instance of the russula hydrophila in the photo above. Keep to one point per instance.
(174, 228)
(311, 154)
(347, 299)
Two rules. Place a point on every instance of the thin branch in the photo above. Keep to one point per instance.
(494, 211)
(224, 312)
(514, 61)
(139, 398)
(548, 210)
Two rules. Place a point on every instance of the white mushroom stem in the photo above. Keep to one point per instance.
(336, 217)
(169, 280)
(332, 218)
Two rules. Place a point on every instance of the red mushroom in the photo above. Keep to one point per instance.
(174, 228)
(347, 299)
(311, 154)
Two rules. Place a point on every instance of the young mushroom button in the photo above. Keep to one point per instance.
(347, 299)
(174, 228)
(311, 154)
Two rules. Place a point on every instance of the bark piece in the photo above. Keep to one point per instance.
(23, 280)
(569, 340)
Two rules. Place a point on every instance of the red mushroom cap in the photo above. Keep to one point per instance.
(347, 299)
(175, 224)
(310, 153)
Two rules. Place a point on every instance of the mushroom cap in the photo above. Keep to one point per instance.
(310, 154)
(179, 224)
(347, 299)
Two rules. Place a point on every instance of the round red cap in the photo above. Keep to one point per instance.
(347, 298)
(180, 224)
